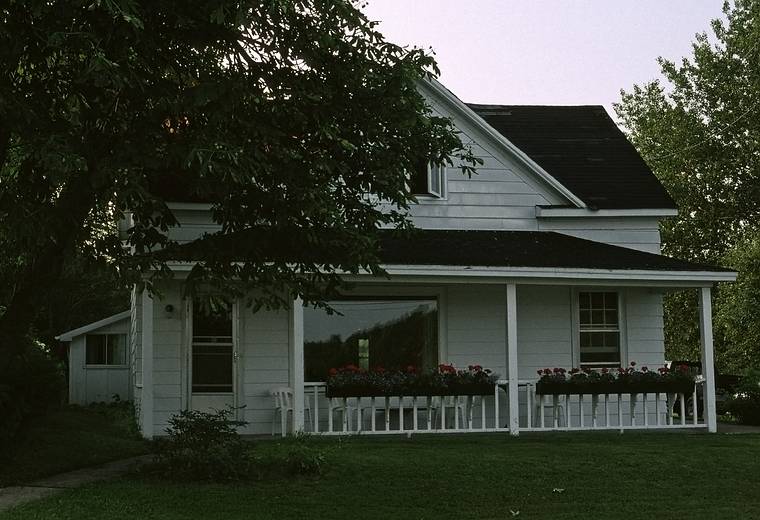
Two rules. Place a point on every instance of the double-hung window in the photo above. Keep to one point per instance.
(106, 349)
(599, 329)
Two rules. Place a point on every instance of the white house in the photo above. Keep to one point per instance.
(98, 360)
(548, 257)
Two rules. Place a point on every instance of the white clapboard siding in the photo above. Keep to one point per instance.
(265, 356)
(168, 353)
(641, 233)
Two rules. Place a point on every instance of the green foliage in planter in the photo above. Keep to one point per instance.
(203, 446)
(744, 405)
(445, 379)
(558, 381)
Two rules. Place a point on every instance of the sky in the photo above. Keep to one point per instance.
(546, 52)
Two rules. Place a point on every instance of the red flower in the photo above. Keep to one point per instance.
(575, 370)
(379, 370)
(411, 369)
(605, 370)
(333, 371)
(644, 369)
(446, 368)
(633, 363)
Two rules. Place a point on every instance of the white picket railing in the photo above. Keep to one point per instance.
(463, 414)
(402, 414)
(634, 411)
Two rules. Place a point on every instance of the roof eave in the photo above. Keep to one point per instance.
(68, 336)
(480, 123)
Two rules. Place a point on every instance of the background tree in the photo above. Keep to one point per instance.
(700, 133)
(293, 118)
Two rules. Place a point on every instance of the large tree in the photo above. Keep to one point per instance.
(293, 118)
(700, 133)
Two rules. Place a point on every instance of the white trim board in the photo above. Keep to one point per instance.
(585, 212)
(535, 275)
(68, 336)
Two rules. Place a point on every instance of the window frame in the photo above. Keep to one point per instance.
(437, 171)
(576, 325)
(125, 364)
(404, 293)
(234, 315)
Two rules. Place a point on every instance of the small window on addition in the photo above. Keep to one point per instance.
(428, 179)
(106, 349)
(599, 325)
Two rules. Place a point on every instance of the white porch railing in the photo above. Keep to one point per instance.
(403, 414)
(463, 414)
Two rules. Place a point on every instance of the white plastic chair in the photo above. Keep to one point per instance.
(283, 405)
(549, 406)
(448, 402)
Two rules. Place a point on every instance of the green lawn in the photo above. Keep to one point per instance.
(70, 438)
(604, 475)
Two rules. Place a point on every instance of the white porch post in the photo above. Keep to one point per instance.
(708, 365)
(296, 365)
(146, 397)
(512, 369)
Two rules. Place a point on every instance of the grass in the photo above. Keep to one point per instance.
(569, 476)
(69, 438)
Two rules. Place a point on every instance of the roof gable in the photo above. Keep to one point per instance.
(582, 148)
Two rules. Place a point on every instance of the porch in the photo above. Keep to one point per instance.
(514, 406)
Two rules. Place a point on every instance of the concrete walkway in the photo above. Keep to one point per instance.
(17, 495)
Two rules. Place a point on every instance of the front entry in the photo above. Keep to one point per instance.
(212, 354)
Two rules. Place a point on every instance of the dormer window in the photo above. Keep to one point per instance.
(428, 179)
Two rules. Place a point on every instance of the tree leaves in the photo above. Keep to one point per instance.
(700, 135)
(294, 117)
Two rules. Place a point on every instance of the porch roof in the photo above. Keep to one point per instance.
(541, 249)
(471, 253)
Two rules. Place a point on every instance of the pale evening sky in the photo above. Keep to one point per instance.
(546, 52)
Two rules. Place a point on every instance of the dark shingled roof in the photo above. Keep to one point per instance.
(521, 249)
(582, 148)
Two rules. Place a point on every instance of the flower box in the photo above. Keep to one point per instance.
(559, 381)
(445, 380)
(614, 387)
(571, 388)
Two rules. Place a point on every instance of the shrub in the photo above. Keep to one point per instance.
(203, 446)
(745, 403)
(304, 457)
(30, 384)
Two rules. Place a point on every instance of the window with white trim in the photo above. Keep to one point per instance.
(599, 329)
(428, 179)
(106, 349)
